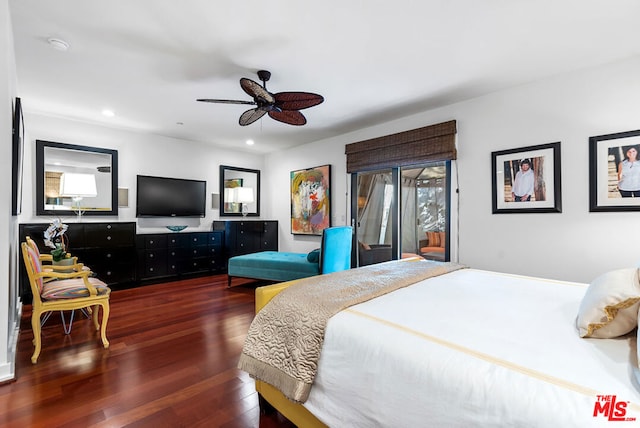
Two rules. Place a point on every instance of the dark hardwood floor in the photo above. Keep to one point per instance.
(171, 363)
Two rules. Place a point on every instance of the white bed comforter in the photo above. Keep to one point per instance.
(471, 348)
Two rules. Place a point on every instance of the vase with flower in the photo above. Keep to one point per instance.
(54, 238)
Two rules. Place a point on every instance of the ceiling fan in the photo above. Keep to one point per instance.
(282, 106)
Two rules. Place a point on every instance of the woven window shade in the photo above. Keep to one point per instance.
(52, 184)
(429, 144)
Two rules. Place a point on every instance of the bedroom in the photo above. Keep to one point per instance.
(570, 107)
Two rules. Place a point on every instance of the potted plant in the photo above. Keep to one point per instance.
(54, 238)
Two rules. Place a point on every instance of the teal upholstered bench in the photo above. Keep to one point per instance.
(334, 255)
(272, 266)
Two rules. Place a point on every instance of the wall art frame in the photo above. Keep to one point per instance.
(614, 172)
(17, 155)
(310, 200)
(527, 180)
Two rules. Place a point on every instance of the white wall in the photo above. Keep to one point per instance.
(573, 245)
(278, 167)
(9, 307)
(138, 153)
(576, 244)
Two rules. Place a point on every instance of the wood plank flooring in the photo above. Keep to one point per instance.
(171, 363)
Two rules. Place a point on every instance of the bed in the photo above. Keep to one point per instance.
(464, 348)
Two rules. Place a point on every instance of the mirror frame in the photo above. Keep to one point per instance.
(40, 162)
(223, 169)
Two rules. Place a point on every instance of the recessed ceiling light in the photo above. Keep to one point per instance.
(249, 142)
(108, 113)
(58, 44)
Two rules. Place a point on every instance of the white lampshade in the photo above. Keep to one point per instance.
(230, 195)
(244, 195)
(78, 185)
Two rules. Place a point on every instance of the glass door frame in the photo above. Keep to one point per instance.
(395, 210)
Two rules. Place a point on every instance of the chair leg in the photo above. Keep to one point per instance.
(45, 318)
(37, 341)
(103, 328)
(67, 330)
(94, 313)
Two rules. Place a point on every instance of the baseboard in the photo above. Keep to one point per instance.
(8, 369)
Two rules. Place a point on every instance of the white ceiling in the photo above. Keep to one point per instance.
(373, 61)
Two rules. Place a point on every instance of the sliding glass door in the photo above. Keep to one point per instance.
(374, 219)
(401, 212)
(425, 195)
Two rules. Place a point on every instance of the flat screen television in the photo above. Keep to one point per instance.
(170, 197)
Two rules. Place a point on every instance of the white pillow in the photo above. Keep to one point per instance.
(609, 308)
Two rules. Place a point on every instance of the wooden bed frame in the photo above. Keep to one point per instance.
(296, 413)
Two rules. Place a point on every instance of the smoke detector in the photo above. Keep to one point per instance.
(58, 44)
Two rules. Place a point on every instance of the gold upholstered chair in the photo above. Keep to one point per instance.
(70, 264)
(56, 291)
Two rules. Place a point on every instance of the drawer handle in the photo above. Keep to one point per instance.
(151, 241)
(108, 226)
(150, 269)
(108, 255)
(151, 255)
(108, 238)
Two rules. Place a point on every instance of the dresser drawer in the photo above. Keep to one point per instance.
(155, 264)
(198, 239)
(195, 265)
(178, 240)
(216, 239)
(151, 242)
(103, 235)
(115, 273)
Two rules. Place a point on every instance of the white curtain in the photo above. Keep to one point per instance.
(370, 215)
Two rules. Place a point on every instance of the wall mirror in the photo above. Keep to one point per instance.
(72, 178)
(239, 191)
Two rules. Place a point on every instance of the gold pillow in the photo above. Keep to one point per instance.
(609, 308)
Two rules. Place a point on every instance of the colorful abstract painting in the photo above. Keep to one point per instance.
(311, 200)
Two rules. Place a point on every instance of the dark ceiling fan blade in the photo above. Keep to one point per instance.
(297, 100)
(255, 90)
(209, 100)
(250, 116)
(291, 117)
(283, 106)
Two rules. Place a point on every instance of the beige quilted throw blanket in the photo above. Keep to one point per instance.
(284, 341)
